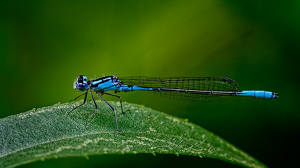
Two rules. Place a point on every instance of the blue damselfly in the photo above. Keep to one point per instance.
(184, 88)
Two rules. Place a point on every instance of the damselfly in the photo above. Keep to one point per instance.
(184, 88)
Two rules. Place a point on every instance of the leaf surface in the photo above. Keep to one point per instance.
(49, 132)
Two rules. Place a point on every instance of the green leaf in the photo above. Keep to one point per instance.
(50, 133)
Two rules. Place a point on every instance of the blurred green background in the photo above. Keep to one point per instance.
(45, 45)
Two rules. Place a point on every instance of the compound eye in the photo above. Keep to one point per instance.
(79, 79)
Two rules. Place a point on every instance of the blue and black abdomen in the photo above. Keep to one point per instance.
(186, 88)
(192, 88)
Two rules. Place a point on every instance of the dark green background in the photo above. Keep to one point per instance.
(44, 45)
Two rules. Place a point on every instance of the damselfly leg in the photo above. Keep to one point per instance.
(120, 101)
(112, 109)
(80, 104)
(78, 96)
(96, 107)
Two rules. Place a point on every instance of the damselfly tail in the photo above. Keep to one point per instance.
(187, 88)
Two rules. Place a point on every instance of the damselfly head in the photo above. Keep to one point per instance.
(81, 83)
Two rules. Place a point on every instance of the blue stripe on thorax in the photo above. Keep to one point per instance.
(104, 84)
(95, 83)
(126, 88)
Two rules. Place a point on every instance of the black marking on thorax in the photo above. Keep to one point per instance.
(99, 81)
